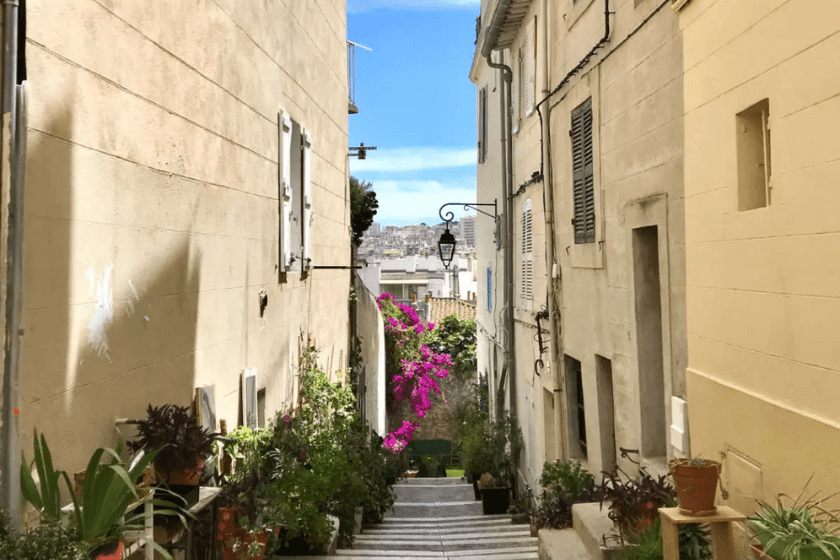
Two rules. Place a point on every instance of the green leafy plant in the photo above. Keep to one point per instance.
(363, 206)
(49, 541)
(109, 495)
(646, 544)
(564, 484)
(47, 499)
(799, 530)
(457, 338)
(182, 443)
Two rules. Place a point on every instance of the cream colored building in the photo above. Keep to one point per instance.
(597, 226)
(186, 178)
(762, 165)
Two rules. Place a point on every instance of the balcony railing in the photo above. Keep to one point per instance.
(351, 76)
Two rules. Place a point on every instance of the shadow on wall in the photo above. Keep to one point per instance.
(88, 358)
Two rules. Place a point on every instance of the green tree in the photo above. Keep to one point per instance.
(363, 205)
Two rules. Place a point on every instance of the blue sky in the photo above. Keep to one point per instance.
(416, 104)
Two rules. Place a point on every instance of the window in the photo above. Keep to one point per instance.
(482, 124)
(582, 173)
(753, 145)
(527, 278)
(295, 196)
(530, 63)
(577, 411)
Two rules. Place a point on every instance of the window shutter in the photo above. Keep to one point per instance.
(527, 277)
(306, 222)
(530, 69)
(285, 194)
(514, 94)
(582, 173)
(482, 125)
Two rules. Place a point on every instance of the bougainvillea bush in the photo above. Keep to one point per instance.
(413, 368)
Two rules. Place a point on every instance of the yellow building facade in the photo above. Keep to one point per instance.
(762, 166)
(187, 209)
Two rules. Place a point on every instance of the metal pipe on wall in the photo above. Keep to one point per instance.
(12, 164)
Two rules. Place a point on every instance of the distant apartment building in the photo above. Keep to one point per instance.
(467, 227)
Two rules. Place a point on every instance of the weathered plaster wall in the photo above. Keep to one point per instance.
(636, 88)
(371, 331)
(762, 288)
(152, 207)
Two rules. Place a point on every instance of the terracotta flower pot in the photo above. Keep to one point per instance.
(696, 483)
(111, 550)
(261, 538)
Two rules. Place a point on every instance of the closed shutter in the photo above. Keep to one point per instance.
(482, 125)
(582, 173)
(530, 62)
(527, 277)
(306, 222)
(285, 190)
(514, 93)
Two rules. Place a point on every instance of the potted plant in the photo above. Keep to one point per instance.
(503, 442)
(696, 481)
(801, 530)
(108, 494)
(182, 443)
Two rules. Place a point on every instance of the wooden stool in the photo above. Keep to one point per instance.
(721, 525)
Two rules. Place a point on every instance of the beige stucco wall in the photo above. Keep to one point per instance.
(152, 207)
(636, 89)
(762, 284)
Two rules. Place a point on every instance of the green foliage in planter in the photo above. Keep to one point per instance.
(47, 499)
(564, 484)
(456, 337)
(182, 442)
(50, 541)
(801, 530)
(647, 543)
(633, 501)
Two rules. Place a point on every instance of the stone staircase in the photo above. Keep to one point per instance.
(440, 518)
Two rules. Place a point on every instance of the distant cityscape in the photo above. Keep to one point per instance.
(404, 261)
(389, 242)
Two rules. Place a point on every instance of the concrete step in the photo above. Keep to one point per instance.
(434, 492)
(442, 520)
(429, 543)
(444, 537)
(562, 544)
(529, 553)
(434, 509)
(592, 523)
(437, 481)
(483, 529)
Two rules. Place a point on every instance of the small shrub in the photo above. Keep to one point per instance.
(564, 484)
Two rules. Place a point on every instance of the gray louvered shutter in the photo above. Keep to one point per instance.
(582, 173)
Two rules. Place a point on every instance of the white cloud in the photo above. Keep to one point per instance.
(419, 201)
(356, 6)
(413, 159)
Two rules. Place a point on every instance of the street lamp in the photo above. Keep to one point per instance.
(446, 245)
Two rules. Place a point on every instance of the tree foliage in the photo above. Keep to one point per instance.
(363, 206)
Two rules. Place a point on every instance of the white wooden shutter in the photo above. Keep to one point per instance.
(285, 194)
(306, 222)
(527, 277)
(514, 93)
(529, 60)
(482, 124)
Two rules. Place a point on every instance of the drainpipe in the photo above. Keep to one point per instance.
(507, 175)
(10, 182)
